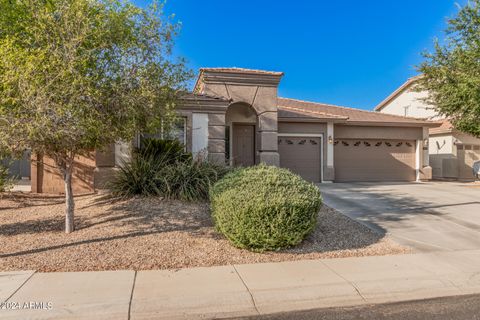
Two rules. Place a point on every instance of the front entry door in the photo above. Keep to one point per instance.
(243, 145)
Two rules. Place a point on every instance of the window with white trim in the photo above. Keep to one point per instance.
(176, 131)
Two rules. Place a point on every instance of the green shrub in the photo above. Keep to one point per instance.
(190, 181)
(264, 208)
(137, 177)
(166, 151)
(162, 169)
(6, 182)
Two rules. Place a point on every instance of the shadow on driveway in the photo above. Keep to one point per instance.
(429, 216)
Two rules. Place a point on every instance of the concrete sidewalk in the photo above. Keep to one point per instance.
(239, 290)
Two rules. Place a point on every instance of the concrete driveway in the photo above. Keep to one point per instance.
(433, 216)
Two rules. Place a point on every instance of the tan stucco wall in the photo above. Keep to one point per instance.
(299, 127)
(105, 157)
(370, 132)
(417, 108)
(239, 112)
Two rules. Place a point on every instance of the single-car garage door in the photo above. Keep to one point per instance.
(301, 155)
(374, 160)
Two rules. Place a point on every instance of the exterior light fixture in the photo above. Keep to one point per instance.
(330, 140)
(425, 143)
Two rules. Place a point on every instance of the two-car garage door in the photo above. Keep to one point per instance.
(354, 159)
(374, 160)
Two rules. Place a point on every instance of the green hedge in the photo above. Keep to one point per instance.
(264, 208)
(163, 168)
(6, 182)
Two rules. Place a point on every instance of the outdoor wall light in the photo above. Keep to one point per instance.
(330, 139)
(425, 143)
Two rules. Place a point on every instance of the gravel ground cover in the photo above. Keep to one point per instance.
(150, 233)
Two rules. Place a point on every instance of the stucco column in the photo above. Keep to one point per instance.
(426, 154)
(425, 170)
(329, 172)
(268, 138)
(216, 137)
(418, 158)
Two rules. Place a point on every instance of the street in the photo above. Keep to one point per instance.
(451, 308)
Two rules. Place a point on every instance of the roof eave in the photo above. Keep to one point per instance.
(392, 124)
(441, 132)
(309, 119)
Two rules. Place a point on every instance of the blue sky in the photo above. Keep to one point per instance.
(351, 53)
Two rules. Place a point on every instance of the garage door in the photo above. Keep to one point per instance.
(374, 160)
(301, 155)
(467, 155)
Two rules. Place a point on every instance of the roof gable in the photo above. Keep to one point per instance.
(396, 93)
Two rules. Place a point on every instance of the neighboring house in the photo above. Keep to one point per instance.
(452, 153)
(235, 116)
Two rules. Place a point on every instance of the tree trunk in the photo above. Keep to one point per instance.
(70, 205)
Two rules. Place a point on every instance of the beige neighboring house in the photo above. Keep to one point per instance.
(452, 153)
(234, 116)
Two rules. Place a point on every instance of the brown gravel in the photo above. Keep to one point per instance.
(151, 233)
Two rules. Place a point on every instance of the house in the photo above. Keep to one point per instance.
(235, 116)
(452, 153)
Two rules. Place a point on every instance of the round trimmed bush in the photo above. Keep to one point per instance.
(264, 208)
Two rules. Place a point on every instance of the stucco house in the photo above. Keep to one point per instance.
(234, 116)
(451, 152)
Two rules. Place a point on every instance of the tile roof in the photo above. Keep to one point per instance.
(201, 96)
(445, 127)
(298, 113)
(351, 114)
(242, 70)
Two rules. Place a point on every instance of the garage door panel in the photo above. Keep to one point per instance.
(374, 160)
(301, 155)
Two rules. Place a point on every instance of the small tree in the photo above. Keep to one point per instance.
(78, 75)
(451, 74)
(6, 181)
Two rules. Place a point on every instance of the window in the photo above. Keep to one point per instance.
(176, 131)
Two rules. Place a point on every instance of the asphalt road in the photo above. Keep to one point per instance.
(451, 308)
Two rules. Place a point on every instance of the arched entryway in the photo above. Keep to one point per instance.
(241, 121)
